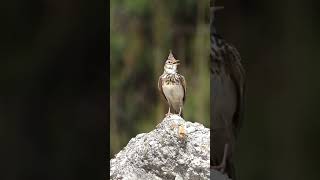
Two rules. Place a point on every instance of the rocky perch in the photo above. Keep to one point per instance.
(176, 149)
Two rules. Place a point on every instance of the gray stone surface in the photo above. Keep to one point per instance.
(215, 175)
(176, 149)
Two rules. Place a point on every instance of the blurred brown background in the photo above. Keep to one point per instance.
(141, 34)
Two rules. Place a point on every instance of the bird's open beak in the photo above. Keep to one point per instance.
(217, 8)
(177, 62)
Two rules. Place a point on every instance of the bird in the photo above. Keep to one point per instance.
(172, 86)
(227, 86)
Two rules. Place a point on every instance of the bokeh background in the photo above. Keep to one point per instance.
(279, 45)
(141, 34)
(53, 92)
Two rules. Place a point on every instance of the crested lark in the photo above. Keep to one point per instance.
(173, 86)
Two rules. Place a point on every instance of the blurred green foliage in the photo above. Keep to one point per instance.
(141, 34)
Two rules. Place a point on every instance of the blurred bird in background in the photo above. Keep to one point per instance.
(227, 83)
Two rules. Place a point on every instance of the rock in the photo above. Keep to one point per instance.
(216, 175)
(176, 149)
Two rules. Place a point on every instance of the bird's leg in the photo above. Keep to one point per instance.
(180, 111)
(222, 166)
(168, 112)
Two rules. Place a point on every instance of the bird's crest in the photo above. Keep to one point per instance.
(171, 57)
(214, 8)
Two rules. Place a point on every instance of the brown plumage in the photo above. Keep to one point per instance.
(173, 86)
(227, 102)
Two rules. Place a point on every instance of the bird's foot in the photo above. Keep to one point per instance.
(220, 167)
(168, 114)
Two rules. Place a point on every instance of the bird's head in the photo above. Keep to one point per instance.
(213, 9)
(171, 65)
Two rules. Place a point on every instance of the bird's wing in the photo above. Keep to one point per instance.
(160, 82)
(237, 75)
(184, 85)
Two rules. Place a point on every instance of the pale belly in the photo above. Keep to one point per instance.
(174, 93)
(223, 100)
